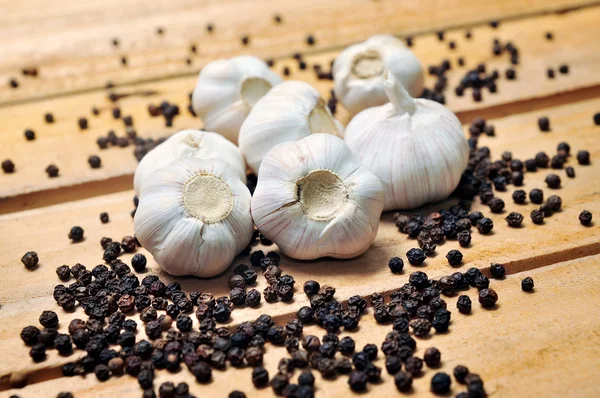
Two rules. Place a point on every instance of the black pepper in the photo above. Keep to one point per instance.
(485, 225)
(76, 234)
(30, 260)
(585, 217)
(488, 298)
(583, 157)
(440, 383)
(95, 162)
(527, 284)
(454, 257)
(464, 304)
(403, 381)
(553, 181)
(514, 219)
(396, 264)
(415, 256)
(52, 171)
(544, 123)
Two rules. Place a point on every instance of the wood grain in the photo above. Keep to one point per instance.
(45, 230)
(525, 357)
(71, 42)
(65, 145)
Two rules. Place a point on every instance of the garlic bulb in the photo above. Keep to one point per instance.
(289, 112)
(190, 143)
(194, 216)
(415, 146)
(314, 199)
(357, 72)
(226, 91)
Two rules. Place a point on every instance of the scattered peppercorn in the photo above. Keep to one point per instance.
(104, 217)
(544, 123)
(8, 166)
(514, 219)
(564, 69)
(415, 256)
(76, 234)
(464, 304)
(396, 265)
(488, 298)
(454, 257)
(553, 181)
(310, 40)
(94, 161)
(30, 260)
(52, 171)
(583, 157)
(585, 217)
(519, 196)
(440, 383)
(403, 381)
(485, 225)
(138, 262)
(536, 196)
(570, 172)
(497, 271)
(537, 216)
(527, 284)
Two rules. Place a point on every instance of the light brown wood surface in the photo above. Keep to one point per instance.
(539, 344)
(521, 348)
(71, 41)
(63, 144)
(519, 249)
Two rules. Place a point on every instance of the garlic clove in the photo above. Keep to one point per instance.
(415, 147)
(314, 199)
(289, 112)
(194, 216)
(226, 91)
(358, 69)
(189, 143)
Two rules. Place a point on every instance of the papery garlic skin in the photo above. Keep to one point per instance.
(289, 112)
(415, 146)
(314, 199)
(194, 216)
(190, 143)
(226, 91)
(357, 72)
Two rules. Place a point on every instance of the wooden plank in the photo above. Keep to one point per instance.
(560, 239)
(62, 142)
(71, 42)
(520, 349)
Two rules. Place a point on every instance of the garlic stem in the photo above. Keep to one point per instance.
(397, 94)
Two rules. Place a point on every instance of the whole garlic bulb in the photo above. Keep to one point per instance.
(415, 146)
(194, 216)
(190, 143)
(289, 112)
(358, 69)
(314, 199)
(226, 91)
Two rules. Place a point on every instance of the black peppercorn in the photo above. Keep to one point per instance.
(357, 381)
(414, 365)
(30, 260)
(432, 357)
(514, 219)
(310, 40)
(440, 383)
(585, 217)
(485, 225)
(553, 181)
(544, 124)
(49, 319)
(488, 298)
(583, 157)
(464, 304)
(76, 234)
(527, 284)
(49, 118)
(396, 265)
(519, 196)
(95, 162)
(464, 238)
(260, 377)
(8, 166)
(554, 202)
(403, 381)
(564, 69)
(30, 334)
(496, 205)
(311, 287)
(460, 373)
(570, 172)
(415, 256)
(52, 171)
(29, 135)
(454, 257)
(138, 262)
(537, 217)
(62, 343)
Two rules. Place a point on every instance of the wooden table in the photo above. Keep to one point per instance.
(544, 343)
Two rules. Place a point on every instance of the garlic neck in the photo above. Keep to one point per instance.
(322, 194)
(252, 89)
(207, 198)
(400, 98)
(367, 64)
(320, 120)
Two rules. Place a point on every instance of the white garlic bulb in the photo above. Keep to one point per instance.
(314, 199)
(415, 146)
(226, 91)
(194, 216)
(190, 143)
(289, 112)
(358, 69)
